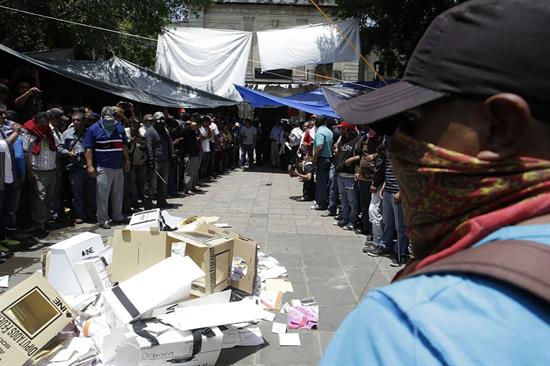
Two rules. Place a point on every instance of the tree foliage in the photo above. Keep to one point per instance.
(393, 28)
(142, 17)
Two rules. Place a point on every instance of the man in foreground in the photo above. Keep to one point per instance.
(473, 161)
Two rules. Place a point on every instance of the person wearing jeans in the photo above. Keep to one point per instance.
(8, 176)
(345, 163)
(322, 172)
(82, 185)
(333, 194)
(375, 217)
(392, 216)
(249, 135)
(322, 155)
(364, 174)
(191, 149)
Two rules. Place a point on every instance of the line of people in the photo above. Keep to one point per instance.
(346, 172)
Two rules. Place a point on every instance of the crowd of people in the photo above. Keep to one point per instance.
(72, 164)
(346, 172)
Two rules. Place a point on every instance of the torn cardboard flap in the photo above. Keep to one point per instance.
(213, 254)
(31, 314)
(166, 282)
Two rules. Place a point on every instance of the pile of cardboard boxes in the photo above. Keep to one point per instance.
(146, 297)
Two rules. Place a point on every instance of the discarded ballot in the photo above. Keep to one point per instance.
(31, 314)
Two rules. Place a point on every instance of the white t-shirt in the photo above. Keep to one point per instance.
(8, 169)
(205, 143)
(248, 134)
(296, 136)
(215, 131)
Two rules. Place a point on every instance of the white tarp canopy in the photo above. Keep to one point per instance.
(306, 45)
(208, 59)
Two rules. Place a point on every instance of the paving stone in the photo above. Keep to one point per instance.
(338, 295)
(330, 317)
(16, 264)
(320, 260)
(325, 276)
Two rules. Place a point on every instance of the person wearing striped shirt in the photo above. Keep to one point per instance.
(106, 159)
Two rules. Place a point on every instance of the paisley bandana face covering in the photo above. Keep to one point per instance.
(451, 200)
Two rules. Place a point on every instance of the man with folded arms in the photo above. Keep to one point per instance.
(471, 117)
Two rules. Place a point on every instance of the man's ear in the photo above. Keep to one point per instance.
(511, 119)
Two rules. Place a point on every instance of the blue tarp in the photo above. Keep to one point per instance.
(311, 102)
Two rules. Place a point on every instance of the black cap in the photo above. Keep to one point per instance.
(477, 49)
(58, 113)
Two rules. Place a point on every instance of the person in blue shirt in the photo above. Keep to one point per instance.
(107, 159)
(470, 151)
(322, 157)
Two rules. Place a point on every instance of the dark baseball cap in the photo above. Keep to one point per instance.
(475, 50)
(58, 113)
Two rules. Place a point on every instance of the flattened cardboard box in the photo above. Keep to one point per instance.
(135, 251)
(31, 314)
(213, 254)
(243, 248)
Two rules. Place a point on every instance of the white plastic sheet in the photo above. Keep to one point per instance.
(307, 45)
(208, 59)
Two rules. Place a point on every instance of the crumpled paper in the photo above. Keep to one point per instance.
(302, 317)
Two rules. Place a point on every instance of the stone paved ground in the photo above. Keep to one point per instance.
(323, 261)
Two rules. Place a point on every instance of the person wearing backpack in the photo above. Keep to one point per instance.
(470, 150)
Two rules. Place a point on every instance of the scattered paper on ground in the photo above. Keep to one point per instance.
(289, 339)
(279, 284)
(271, 300)
(295, 302)
(4, 281)
(278, 328)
